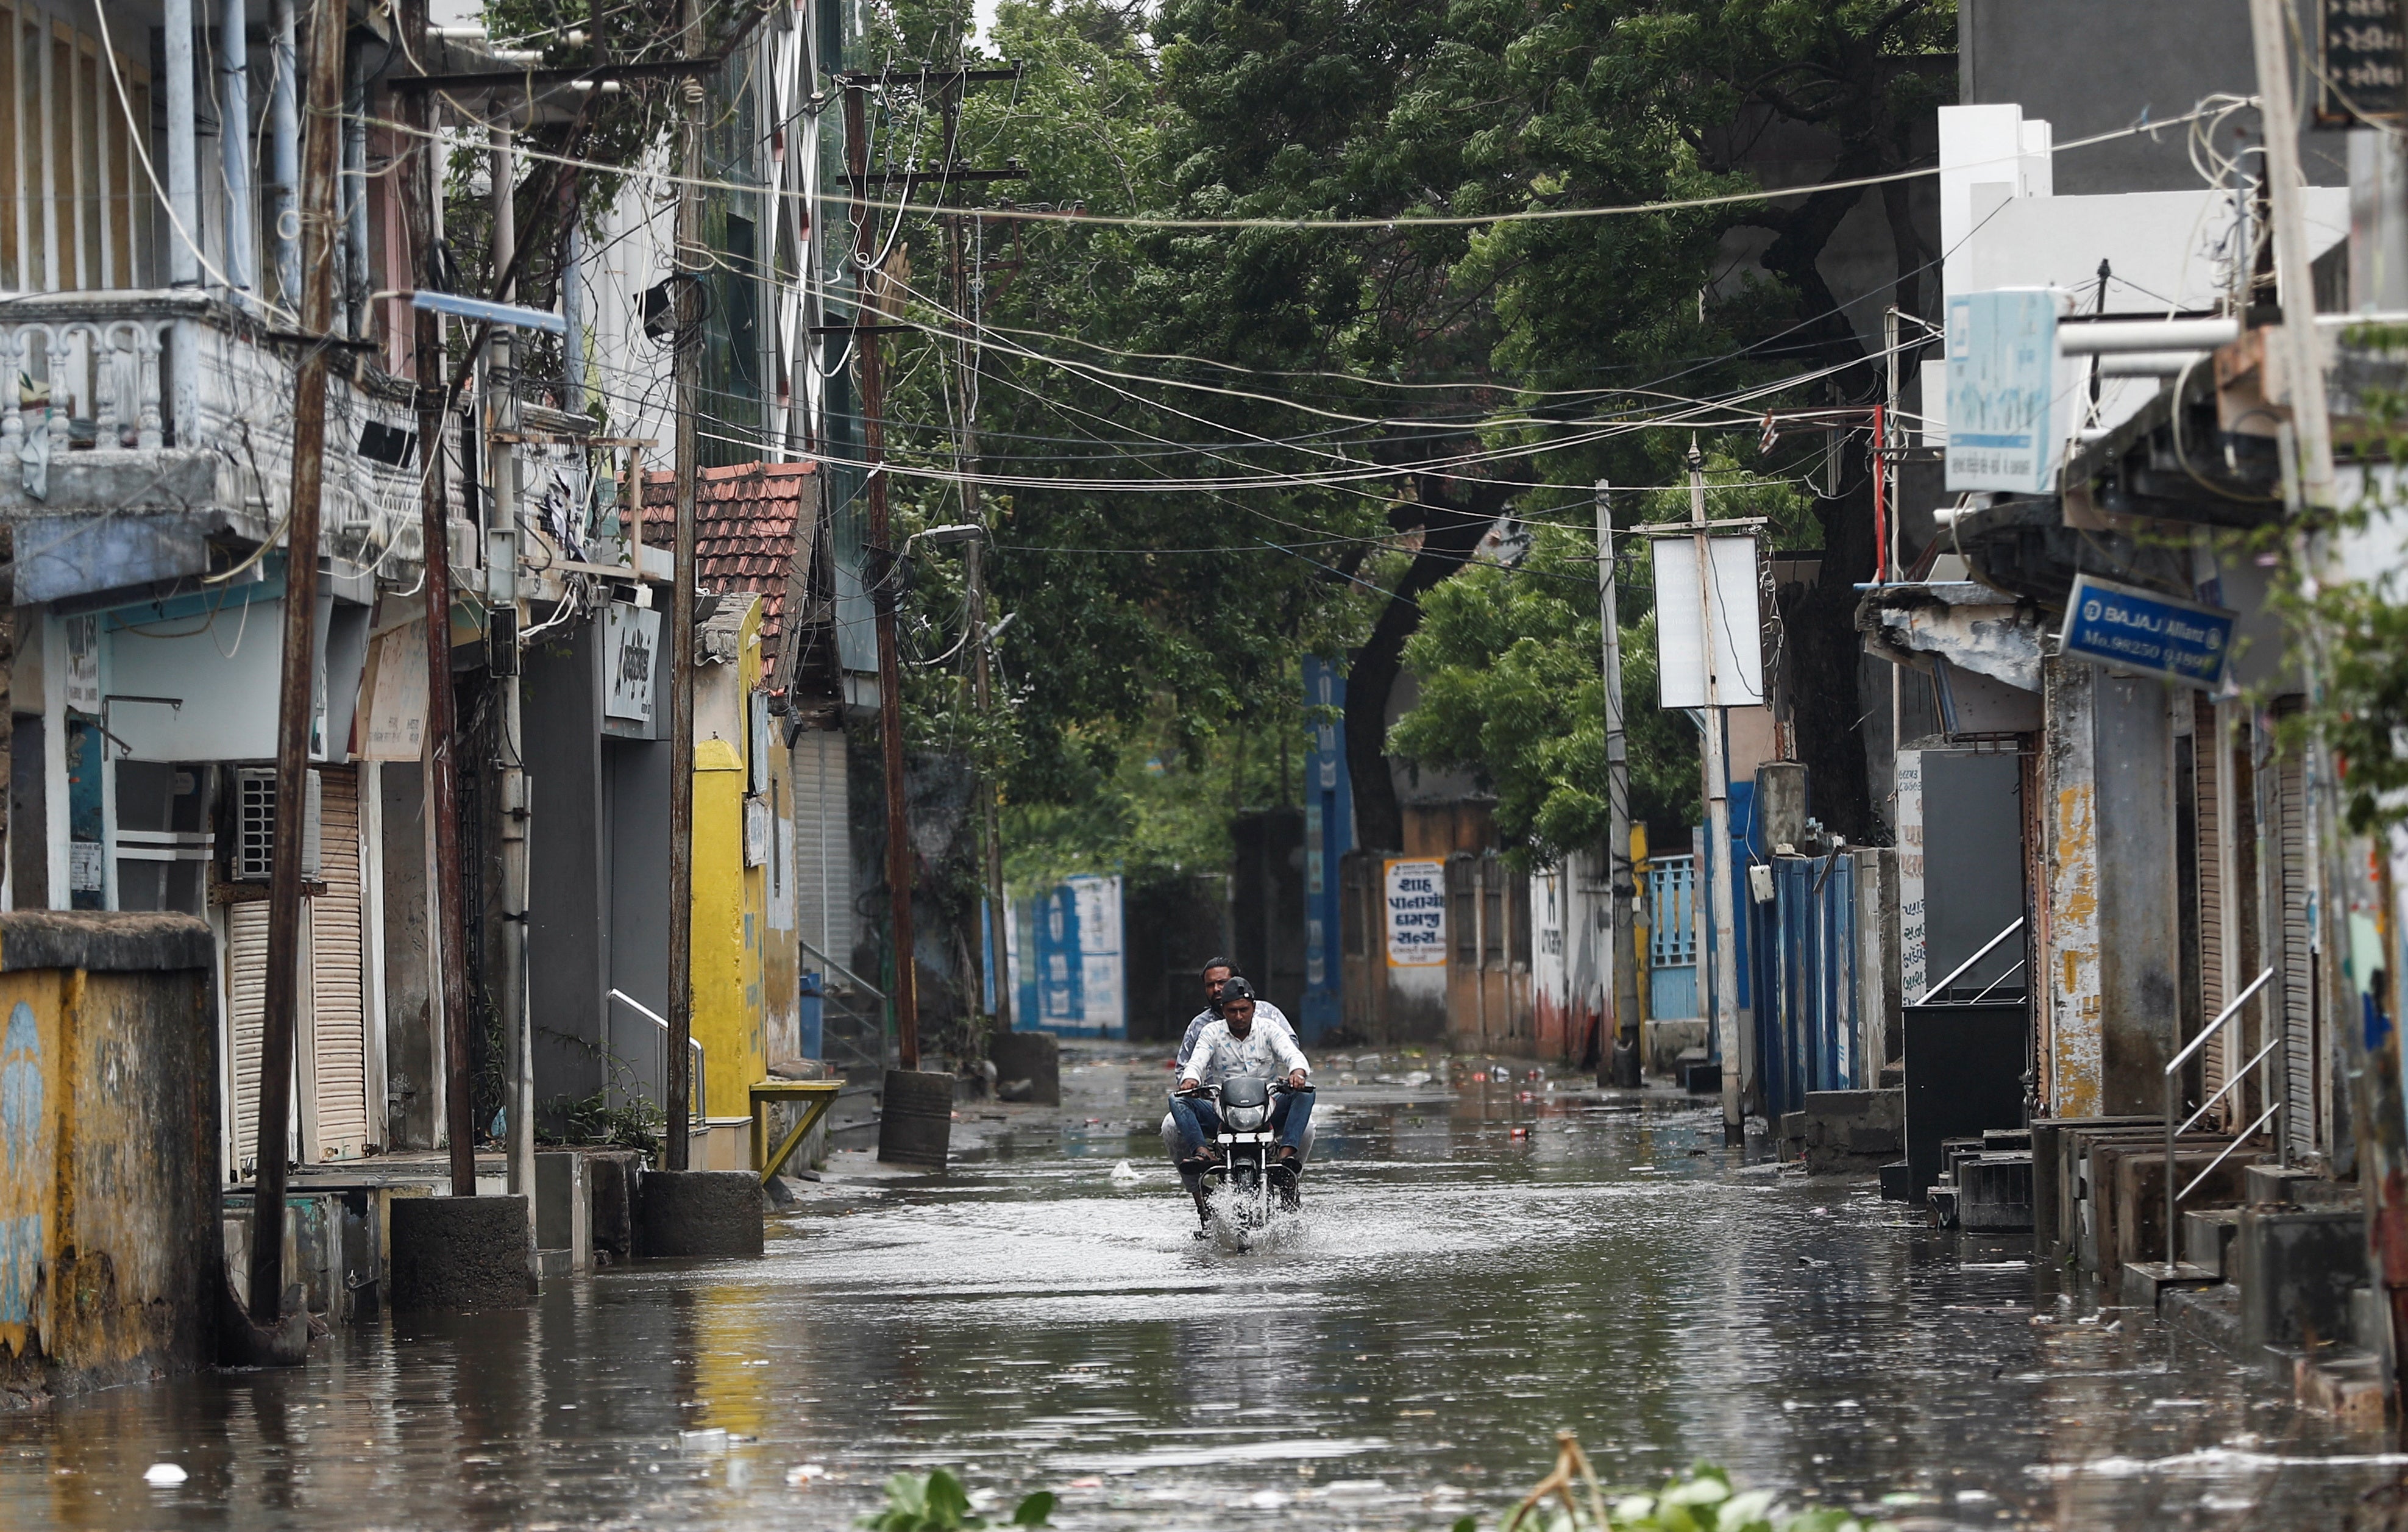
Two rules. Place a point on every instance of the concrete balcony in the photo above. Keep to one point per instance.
(154, 438)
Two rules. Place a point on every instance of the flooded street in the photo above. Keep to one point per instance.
(1474, 1270)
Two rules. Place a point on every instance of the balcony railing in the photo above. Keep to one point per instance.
(174, 400)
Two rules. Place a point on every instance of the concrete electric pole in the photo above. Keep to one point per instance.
(1736, 1051)
(502, 651)
(1618, 1051)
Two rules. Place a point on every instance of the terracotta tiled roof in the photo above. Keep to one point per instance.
(745, 519)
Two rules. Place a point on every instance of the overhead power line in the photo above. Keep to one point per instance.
(1400, 221)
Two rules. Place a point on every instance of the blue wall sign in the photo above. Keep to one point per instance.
(1328, 836)
(2165, 636)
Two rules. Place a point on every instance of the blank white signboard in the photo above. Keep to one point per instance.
(1737, 623)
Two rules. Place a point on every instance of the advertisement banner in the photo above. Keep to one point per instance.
(2144, 630)
(2002, 368)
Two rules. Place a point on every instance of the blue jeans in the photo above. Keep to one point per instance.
(1198, 1120)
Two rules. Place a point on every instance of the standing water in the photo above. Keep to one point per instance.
(1478, 1264)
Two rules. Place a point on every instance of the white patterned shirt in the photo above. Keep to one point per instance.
(1265, 1015)
(1265, 1052)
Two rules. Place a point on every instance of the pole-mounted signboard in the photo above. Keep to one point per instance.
(2002, 371)
(2145, 632)
(2362, 49)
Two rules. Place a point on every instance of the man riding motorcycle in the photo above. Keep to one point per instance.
(1237, 1045)
(1216, 974)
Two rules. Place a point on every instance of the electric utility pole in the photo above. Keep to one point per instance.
(970, 289)
(2340, 880)
(869, 343)
(1618, 1051)
(686, 311)
(296, 696)
(447, 979)
(1734, 1048)
(502, 655)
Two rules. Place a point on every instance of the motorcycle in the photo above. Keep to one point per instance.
(1242, 1190)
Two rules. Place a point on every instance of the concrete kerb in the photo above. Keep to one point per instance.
(697, 1213)
(454, 1253)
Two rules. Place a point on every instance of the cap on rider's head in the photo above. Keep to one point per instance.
(1236, 987)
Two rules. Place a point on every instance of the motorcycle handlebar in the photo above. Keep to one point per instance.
(1278, 1086)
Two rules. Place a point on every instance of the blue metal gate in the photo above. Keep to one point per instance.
(1808, 1035)
(1672, 937)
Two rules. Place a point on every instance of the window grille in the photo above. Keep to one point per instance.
(255, 837)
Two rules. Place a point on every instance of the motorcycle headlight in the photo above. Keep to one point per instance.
(1248, 1118)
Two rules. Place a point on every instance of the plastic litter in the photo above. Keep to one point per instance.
(163, 1474)
(801, 1474)
(711, 1440)
(1125, 1173)
(1090, 1482)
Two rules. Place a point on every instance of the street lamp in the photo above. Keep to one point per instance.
(959, 531)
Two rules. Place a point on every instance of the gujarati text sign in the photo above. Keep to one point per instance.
(1416, 893)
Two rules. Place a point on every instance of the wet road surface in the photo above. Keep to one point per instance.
(1478, 1266)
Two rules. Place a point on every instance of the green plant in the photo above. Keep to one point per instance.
(936, 1502)
(592, 1119)
(1701, 1500)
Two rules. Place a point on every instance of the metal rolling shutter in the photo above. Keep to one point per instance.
(246, 1004)
(822, 851)
(339, 1030)
(2300, 1045)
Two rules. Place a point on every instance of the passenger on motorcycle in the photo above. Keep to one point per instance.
(1237, 1045)
(1266, 1016)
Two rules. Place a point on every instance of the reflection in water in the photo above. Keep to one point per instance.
(1470, 1273)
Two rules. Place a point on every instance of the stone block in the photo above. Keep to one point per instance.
(2270, 1185)
(2139, 1220)
(2147, 1284)
(1035, 1057)
(111, 1245)
(1994, 1193)
(564, 1219)
(2207, 1237)
(698, 1212)
(2295, 1268)
(2369, 1320)
(915, 1117)
(2099, 1151)
(453, 1254)
(2055, 1142)
(2348, 1387)
(1789, 1137)
(611, 1211)
(1896, 1182)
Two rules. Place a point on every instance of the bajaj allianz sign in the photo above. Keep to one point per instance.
(2144, 631)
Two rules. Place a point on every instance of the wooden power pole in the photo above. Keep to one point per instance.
(904, 987)
(296, 697)
(686, 311)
